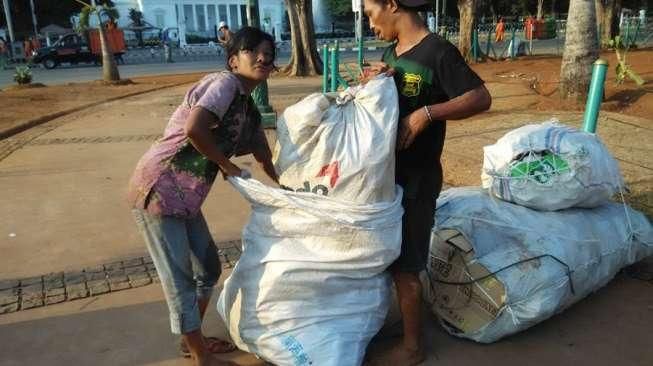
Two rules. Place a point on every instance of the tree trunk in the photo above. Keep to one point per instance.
(605, 11)
(540, 5)
(109, 67)
(581, 50)
(467, 10)
(304, 59)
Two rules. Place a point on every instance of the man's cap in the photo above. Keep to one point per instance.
(221, 25)
(415, 3)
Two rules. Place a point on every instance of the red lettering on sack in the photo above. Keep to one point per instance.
(330, 170)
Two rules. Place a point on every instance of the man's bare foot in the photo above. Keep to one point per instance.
(399, 355)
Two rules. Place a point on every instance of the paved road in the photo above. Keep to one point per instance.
(80, 73)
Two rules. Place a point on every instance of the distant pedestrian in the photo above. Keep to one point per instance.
(226, 34)
(27, 48)
(4, 52)
(36, 43)
(500, 30)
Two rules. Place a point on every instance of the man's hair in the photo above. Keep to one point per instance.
(248, 38)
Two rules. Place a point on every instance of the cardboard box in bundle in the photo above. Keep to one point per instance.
(467, 307)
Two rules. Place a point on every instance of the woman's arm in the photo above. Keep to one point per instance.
(263, 155)
(198, 132)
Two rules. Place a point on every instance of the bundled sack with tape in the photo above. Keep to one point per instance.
(496, 268)
(310, 287)
(341, 145)
(550, 167)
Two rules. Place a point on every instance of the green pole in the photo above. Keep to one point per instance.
(512, 43)
(325, 68)
(334, 67)
(626, 37)
(635, 35)
(475, 44)
(361, 43)
(489, 40)
(260, 93)
(595, 95)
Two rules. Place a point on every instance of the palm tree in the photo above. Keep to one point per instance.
(540, 9)
(605, 15)
(304, 59)
(581, 50)
(137, 22)
(467, 10)
(109, 68)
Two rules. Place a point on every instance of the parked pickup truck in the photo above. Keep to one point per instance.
(74, 48)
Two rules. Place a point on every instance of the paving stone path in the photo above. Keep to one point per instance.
(54, 288)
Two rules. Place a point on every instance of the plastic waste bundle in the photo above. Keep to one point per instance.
(341, 145)
(550, 167)
(310, 287)
(497, 268)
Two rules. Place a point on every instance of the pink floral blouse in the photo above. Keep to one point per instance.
(173, 178)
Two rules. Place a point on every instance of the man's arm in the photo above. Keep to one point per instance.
(474, 101)
(466, 105)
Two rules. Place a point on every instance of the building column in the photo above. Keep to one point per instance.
(209, 29)
(181, 23)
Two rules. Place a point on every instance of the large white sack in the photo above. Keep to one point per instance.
(581, 249)
(341, 145)
(310, 286)
(568, 168)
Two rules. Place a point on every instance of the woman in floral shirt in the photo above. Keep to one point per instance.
(216, 120)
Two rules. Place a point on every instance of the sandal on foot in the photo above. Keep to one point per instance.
(214, 344)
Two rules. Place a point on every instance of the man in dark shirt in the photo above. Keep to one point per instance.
(435, 84)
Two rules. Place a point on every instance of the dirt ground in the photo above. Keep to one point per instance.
(541, 74)
(21, 105)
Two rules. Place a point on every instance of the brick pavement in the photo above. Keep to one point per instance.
(53, 288)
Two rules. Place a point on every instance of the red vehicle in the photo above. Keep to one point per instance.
(74, 48)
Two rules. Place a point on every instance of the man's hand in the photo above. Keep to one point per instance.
(377, 68)
(410, 127)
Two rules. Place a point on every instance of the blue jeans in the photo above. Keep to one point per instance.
(187, 262)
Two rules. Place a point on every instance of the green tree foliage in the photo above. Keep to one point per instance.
(338, 8)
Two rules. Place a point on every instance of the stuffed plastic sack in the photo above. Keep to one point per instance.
(550, 167)
(578, 251)
(341, 145)
(310, 287)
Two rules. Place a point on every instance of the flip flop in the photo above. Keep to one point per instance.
(215, 345)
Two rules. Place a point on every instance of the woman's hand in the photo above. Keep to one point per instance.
(230, 169)
(375, 69)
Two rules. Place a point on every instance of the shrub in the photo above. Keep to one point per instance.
(23, 75)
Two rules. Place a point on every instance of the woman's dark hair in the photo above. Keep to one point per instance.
(248, 38)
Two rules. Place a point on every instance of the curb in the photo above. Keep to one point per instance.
(49, 117)
(58, 287)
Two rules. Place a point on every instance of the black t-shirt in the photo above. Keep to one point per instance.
(431, 72)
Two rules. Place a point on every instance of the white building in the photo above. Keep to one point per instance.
(202, 16)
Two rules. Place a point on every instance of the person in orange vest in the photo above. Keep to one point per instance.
(500, 30)
(27, 48)
(36, 43)
(4, 52)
